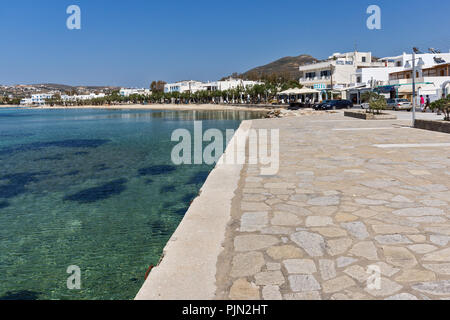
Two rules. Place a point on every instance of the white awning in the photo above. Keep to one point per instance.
(362, 86)
(298, 91)
(290, 92)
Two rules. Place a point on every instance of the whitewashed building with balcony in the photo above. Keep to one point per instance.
(338, 70)
(195, 86)
(126, 92)
(192, 86)
(37, 99)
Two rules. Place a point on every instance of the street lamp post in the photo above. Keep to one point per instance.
(414, 90)
(407, 66)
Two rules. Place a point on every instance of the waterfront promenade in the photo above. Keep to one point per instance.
(351, 197)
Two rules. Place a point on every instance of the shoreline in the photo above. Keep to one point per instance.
(175, 107)
(190, 256)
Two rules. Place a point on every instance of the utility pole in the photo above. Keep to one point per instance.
(414, 89)
(331, 68)
(420, 64)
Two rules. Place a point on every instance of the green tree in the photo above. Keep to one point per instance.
(442, 105)
(377, 102)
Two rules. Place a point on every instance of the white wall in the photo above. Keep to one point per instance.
(378, 74)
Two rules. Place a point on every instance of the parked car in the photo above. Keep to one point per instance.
(318, 106)
(334, 105)
(399, 104)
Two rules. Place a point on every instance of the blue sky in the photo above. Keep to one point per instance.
(130, 43)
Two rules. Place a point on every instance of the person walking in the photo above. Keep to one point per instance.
(428, 102)
(422, 103)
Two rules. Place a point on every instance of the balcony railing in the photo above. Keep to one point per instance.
(323, 78)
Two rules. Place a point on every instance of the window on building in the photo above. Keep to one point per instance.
(310, 75)
(398, 64)
(358, 79)
(363, 59)
(325, 73)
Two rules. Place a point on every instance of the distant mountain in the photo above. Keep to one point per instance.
(287, 66)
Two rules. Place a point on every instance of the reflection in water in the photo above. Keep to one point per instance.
(195, 115)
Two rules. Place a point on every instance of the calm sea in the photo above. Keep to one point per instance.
(95, 189)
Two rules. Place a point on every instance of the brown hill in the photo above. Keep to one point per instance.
(287, 66)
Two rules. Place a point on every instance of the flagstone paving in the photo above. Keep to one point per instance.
(338, 207)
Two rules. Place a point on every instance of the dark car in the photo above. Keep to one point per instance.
(318, 106)
(334, 105)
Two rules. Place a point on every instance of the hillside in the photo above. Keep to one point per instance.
(287, 66)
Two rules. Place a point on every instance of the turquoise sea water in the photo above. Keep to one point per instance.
(95, 189)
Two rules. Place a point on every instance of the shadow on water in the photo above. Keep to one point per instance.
(159, 228)
(101, 167)
(181, 211)
(17, 183)
(57, 157)
(156, 170)
(102, 192)
(21, 295)
(4, 204)
(73, 143)
(189, 197)
(199, 177)
(166, 189)
(71, 173)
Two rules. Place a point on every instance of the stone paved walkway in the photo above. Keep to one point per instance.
(338, 207)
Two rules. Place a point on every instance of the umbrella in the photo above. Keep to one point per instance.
(307, 91)
(290, 92)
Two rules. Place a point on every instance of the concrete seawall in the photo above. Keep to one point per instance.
(188, 268)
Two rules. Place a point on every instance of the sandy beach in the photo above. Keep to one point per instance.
(207, 107)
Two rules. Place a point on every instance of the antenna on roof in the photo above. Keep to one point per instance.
(416, 50)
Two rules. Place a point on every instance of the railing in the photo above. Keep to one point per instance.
(315, 78)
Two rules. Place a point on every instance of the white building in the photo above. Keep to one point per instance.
(430, 59)
(432, 80)
(82, 97)
(125, 92)
(195, 86)
(339, 70)
(40, 98)
(184, 86)
(37, 99)
(231, 83)
(26, 101)
(392, 79)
